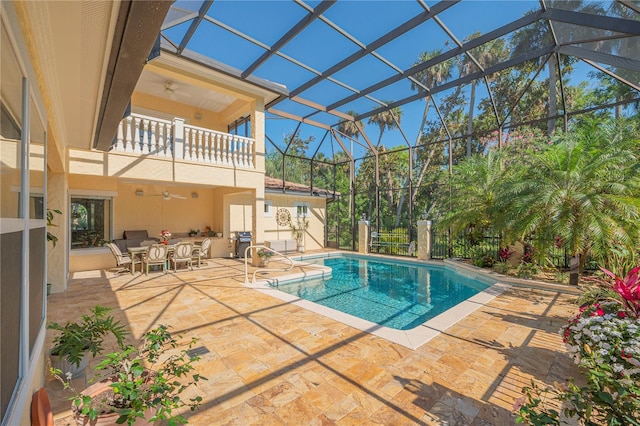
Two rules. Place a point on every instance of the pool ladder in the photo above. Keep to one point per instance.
(262, 270)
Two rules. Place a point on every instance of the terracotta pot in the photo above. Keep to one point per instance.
(108, 419)
(60, 362)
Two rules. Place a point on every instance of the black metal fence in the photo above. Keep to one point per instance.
(444, 245)
(397, 241)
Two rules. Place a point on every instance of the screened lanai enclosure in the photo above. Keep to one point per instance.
(382, 101)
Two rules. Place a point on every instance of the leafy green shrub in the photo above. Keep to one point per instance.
(74, 339)
(501, 268)
(527, 270)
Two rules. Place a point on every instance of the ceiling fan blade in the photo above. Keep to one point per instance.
(178, 196)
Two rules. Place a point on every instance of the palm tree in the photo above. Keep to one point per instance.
(350, 128)
(475, 186)
(430, 77)
(536, 36)
(386, 120)
(486, 54)
(585, 189)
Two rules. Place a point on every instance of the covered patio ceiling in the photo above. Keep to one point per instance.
(351, 60)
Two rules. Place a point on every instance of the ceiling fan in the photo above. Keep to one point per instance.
(170, 89)
(166, 195)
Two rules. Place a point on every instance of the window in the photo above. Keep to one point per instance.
(268, 209)
(90, 221)
(300, 209)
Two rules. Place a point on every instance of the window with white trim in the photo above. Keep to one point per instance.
(90, 221)
(300, 210)
(268, 208)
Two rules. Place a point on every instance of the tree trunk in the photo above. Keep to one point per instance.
(574, 271)
(552, 94)
(472, 101)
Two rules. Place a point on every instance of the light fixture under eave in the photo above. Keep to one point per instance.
(139, 192)
(194, 195)
(170, 89)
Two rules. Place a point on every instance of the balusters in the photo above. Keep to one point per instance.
(145, 136)
(118, 145)
(216, 148)
(226, 151)
(234, 149)
(243, 152)
(250, 146)
(199, 156)
(128, 140)
(153, 141)
(161, 146)
(136, 136)
(187, 143)
(207, 147)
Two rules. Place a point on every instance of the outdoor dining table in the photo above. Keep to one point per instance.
(136, 254)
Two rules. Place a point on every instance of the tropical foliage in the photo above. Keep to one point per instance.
(520, 109)
(603, 339)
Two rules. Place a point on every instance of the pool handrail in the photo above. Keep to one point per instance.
(263, 270)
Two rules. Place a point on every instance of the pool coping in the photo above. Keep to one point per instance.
(413, 338)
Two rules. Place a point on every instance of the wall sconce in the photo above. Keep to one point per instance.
(197, 116)
(139, 192)
(194, 195)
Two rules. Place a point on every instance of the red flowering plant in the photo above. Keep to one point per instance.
(165, 236)
(504, 254)
(603, 339)
(628, 287)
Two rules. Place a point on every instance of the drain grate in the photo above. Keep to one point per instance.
(200, 350)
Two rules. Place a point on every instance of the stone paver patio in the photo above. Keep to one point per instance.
(273, 363)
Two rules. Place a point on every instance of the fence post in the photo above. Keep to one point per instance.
(363, 236)
(424, 239)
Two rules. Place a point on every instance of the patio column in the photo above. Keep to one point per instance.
(363, 236)
(58, 256)
(178, 138)
(424, 239)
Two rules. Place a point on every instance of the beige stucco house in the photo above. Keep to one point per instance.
(116, 139)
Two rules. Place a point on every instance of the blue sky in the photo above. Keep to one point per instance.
(319, 47)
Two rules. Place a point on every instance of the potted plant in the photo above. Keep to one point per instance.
(76, 339)
(298, 230)
(265, 255)
(194, 232)
(140, 384)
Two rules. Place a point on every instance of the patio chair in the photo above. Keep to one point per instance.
(123, 261)
(181, 254)
(201, 251)
(156, 255)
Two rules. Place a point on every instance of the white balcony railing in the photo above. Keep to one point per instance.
(150, 136)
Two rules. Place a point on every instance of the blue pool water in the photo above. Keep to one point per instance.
(399, 295)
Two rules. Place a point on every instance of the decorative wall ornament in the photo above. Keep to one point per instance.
(283, 217)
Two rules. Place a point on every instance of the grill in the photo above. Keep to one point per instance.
(243, 240)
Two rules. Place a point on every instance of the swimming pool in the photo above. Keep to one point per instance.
(404, 301)
(392, 294)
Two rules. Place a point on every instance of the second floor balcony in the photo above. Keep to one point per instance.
(151, 136)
